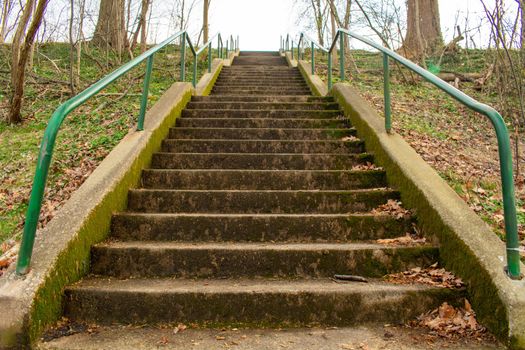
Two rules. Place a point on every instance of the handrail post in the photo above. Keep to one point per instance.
(145, 93)
(329, 71)
(194, 79)
(292, 49)
(237, 43)
(227, 47)
(313, 60)
(209, 58)
(342, 56)
(183, 57)
(35, 199)
(386, 93)
(219, 46)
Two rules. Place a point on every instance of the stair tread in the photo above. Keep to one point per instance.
(256, 215)
(241, 286)
(250, 246)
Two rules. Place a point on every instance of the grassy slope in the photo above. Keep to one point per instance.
(458, 143)
(87, 134)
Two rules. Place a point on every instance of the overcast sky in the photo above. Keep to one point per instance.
(260, 23)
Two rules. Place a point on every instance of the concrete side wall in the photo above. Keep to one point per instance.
(469, 248)
(62, 250)
(315, 83)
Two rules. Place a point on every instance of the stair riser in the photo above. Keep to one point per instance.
(257, 91)
(263, 106)
(257, 161)
(260, 80)
(234, 308)
(214, 98)
(247, 263)
(260, 134)
(250, 146)
(261, 180)
(260, 123)
(262, 84)
(261, 93)
(161, 201)
(300, 228)
(193, 113)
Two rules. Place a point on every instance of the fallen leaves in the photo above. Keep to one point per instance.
(9, 251)
(366, 166)
(180, 328)
(350, 139)
(394, 208)
(407, 240)
(449, 322)
(432, 275)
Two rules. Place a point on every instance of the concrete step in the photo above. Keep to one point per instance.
(270, 84)
(259, 92)
(262, 179)
(239, 90)
(259, 68)
(259, 134)
(250, 302)
(260, 79)
(136, 259)
(303, 106)
(233, 98)
(256, 227)
(262, 146)
(258, 161)
(371, 336)
(258, 86)
(260, 61)
(239, 77)
(262, 123)
(257, 201)
(259, 53)
(257, 113)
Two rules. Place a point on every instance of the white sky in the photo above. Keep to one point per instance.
(260, 23)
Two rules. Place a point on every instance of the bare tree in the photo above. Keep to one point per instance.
(110, 30)
(205, 25)
(22, 43)
(522, 38)
(142, 26)
(424, 31)
(345, 22)
(7, 7)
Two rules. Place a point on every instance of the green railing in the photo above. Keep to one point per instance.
(58, 116)
(502, 134)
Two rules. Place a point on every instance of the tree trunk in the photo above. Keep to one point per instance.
(334, 32)
(111, 25)
(423, 32)
(20, 55)
(205, 25)
(143, 27)
(72, 49)
(319, 21)
(7, 6)
(522, 41)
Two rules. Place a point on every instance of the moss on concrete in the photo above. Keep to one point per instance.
(73, 263)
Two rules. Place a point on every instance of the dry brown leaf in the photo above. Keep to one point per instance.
(432, 275)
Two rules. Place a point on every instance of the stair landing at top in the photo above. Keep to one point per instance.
(264, 58)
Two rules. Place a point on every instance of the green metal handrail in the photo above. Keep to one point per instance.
(48, 141)
(502, 134)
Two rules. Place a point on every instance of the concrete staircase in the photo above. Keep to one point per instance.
(248, 211)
